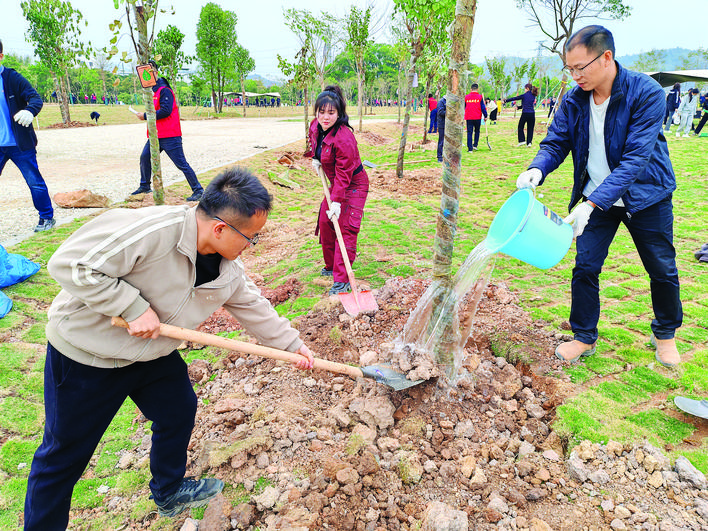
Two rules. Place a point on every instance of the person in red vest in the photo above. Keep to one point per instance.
(433, 106)
(169, 133)
(474, 109)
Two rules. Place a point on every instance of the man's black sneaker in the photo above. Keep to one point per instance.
(326, 272)
(141, 190)
(196, 196)
(191, 493)
(339, 287)
(45, 224)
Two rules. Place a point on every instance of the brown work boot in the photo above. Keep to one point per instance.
(666, 352)
(572, 351)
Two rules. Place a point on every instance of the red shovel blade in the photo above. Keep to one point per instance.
(355, 303)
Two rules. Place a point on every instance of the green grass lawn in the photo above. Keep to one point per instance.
(618, 384)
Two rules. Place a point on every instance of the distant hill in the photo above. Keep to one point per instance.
(266, 82)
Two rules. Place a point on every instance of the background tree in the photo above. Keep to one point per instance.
(216, 40)
(357, 24)
(498, 77)
(651, 61)
(301, 73)
(54, 29)
(243, 65)
(696, 59)
(143, 12)
(431, 62)
(556, 19)
(425, 21)
(168, 54)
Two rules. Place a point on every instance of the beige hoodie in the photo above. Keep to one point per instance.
(127, 260)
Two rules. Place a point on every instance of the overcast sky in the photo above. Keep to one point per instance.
(500, 28)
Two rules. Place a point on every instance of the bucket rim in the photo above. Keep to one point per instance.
(524, 219)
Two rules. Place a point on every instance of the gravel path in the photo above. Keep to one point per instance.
(105, 160)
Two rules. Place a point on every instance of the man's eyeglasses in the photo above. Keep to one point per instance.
(252, 241)
(580, 71)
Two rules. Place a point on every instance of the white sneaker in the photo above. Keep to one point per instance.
(529, 145)
(521, 144)
(686, 136)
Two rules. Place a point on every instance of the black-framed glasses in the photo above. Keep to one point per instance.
(252, 241)
(580, 71)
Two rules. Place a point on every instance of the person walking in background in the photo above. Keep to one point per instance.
(492, 108)
(169, 134)
(334, 149)
(19, 104)
(704, 117)
(528, 113)
(622, 174)
(442, 112)
(433, 106)
(474, 110)
(687, 110)
(673, 99)
(551, 104)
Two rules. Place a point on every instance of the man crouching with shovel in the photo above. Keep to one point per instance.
(170, 264)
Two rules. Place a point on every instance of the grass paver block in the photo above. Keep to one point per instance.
(668, 428)
(648, 380)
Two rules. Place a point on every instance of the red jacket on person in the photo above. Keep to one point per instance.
(474, 106)
(432, 104)
(168, 125)
(340, 159)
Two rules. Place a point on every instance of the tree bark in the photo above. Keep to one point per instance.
(360, 84)
(446, 228)
(428, 81)
(158, 193)
(65, 96)
(61, 98)
(243, 95)
(307, 125)
(407, 117)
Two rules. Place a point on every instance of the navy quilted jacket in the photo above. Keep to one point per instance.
(21, 95)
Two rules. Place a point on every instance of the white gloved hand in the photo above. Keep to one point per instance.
(24, 118)
(579, 218)
(529, 178)
(334, 211)
(316, 165)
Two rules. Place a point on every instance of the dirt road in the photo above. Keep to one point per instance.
(105, 160)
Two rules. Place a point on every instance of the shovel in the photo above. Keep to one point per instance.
(382, 374)
(370, 164)
(356, 301)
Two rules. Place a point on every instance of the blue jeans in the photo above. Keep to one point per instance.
(173, 147)
(80, 401)
(433, 121)
(26, 162)
(473, 125)
(652, 232)
(441, 140)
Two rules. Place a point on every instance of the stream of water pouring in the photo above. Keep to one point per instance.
(432, 323)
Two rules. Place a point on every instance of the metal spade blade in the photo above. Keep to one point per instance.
(698, 408)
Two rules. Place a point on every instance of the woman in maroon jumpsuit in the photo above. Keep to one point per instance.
(334, 147)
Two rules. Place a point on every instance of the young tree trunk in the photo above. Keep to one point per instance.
(243, 95)
(407, 117)
(158, 193)
(400, 89)
(450, 203)
(564, 88)
(61, 97)
(65, 97)
(428, 81)
(307, 125)
(360, 84)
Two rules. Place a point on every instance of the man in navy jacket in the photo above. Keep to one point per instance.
(19, 104)
(612, 124)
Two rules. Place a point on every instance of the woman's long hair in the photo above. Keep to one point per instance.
(534, 90)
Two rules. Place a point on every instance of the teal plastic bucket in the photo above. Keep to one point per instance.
(526, 229)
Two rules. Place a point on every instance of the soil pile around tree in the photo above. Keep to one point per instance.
(343, 454)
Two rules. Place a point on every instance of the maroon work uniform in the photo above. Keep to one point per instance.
(349, 185)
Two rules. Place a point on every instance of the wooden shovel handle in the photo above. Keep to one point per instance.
(340, 239)
(186, 334)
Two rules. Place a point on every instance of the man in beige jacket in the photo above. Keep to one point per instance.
(157, 264)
